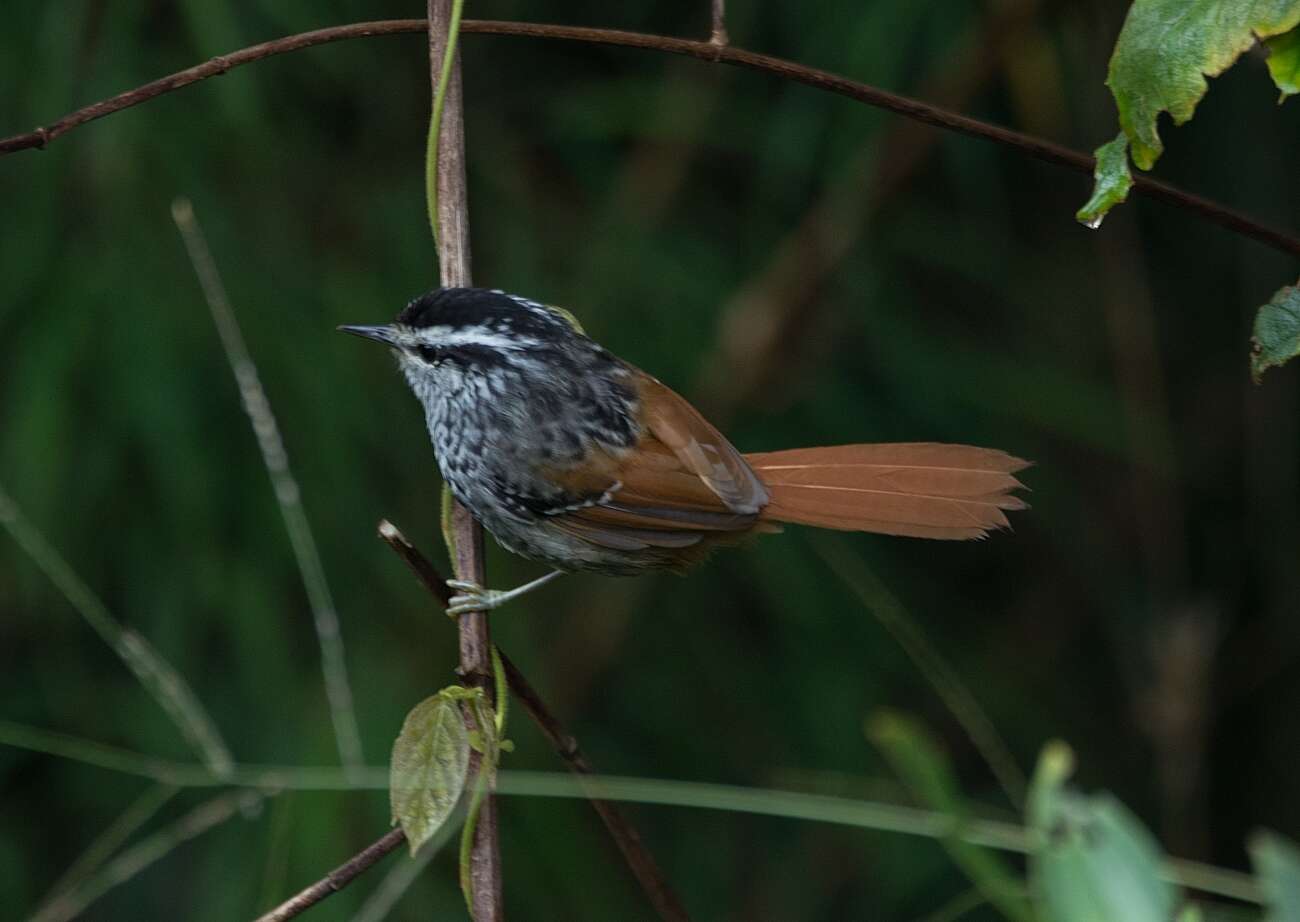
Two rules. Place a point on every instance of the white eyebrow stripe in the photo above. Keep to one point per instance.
(473, 336)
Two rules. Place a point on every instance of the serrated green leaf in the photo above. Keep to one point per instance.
(1276, 339)
(1168, 47)
(1277, 865)
(1284, 62)
(924, 768)
(429, 766)
(1093, 861)
(1111, 181)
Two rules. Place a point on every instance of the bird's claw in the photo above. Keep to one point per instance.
(470, 596)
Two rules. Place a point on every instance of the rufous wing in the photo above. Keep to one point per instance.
(681, 483)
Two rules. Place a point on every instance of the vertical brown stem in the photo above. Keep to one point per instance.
(454, 266)
(719, 36)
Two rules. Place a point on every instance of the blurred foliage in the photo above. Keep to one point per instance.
(1096, 862)
(808, 270)
(1277, 862)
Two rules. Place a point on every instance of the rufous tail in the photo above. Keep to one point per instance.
(920, 489)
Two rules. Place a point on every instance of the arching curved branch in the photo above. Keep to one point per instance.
(1233, 220)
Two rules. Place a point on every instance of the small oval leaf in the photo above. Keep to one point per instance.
(1111, 182)
(429, 765)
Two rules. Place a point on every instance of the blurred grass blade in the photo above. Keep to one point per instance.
(399, 879)
(795, 805)
(919, 762)
(131, 862)
(1093, 861)
(956, 908)
(140, 811)
(942, 677)
(275, 866)
(324, 615)
(1277, 865)
(159, 679)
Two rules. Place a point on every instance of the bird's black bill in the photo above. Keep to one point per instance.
(380, 334)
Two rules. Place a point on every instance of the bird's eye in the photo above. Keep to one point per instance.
(430, 354)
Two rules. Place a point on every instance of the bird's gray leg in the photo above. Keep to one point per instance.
(470, 596)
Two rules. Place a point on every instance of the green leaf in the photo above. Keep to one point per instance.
(1092, 861)
(1284, 62)
(923, 767)
(1276, 339)
(429, 765)
(1277, 865)
(1168, 47)
(1112, 181)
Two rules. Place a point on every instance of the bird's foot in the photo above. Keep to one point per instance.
(470, 596)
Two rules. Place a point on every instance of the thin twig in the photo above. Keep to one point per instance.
(336, 879)
(288, 496)
(425, 571)
(936, 116)
(158, 677)
(639, 860)
(451, 225)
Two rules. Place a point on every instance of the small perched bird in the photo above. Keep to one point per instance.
(569, 455)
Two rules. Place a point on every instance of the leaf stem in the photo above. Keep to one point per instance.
(435, 118)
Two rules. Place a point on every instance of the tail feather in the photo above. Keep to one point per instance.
(919, 489)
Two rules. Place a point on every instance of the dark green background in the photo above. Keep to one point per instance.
(1144, 610)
